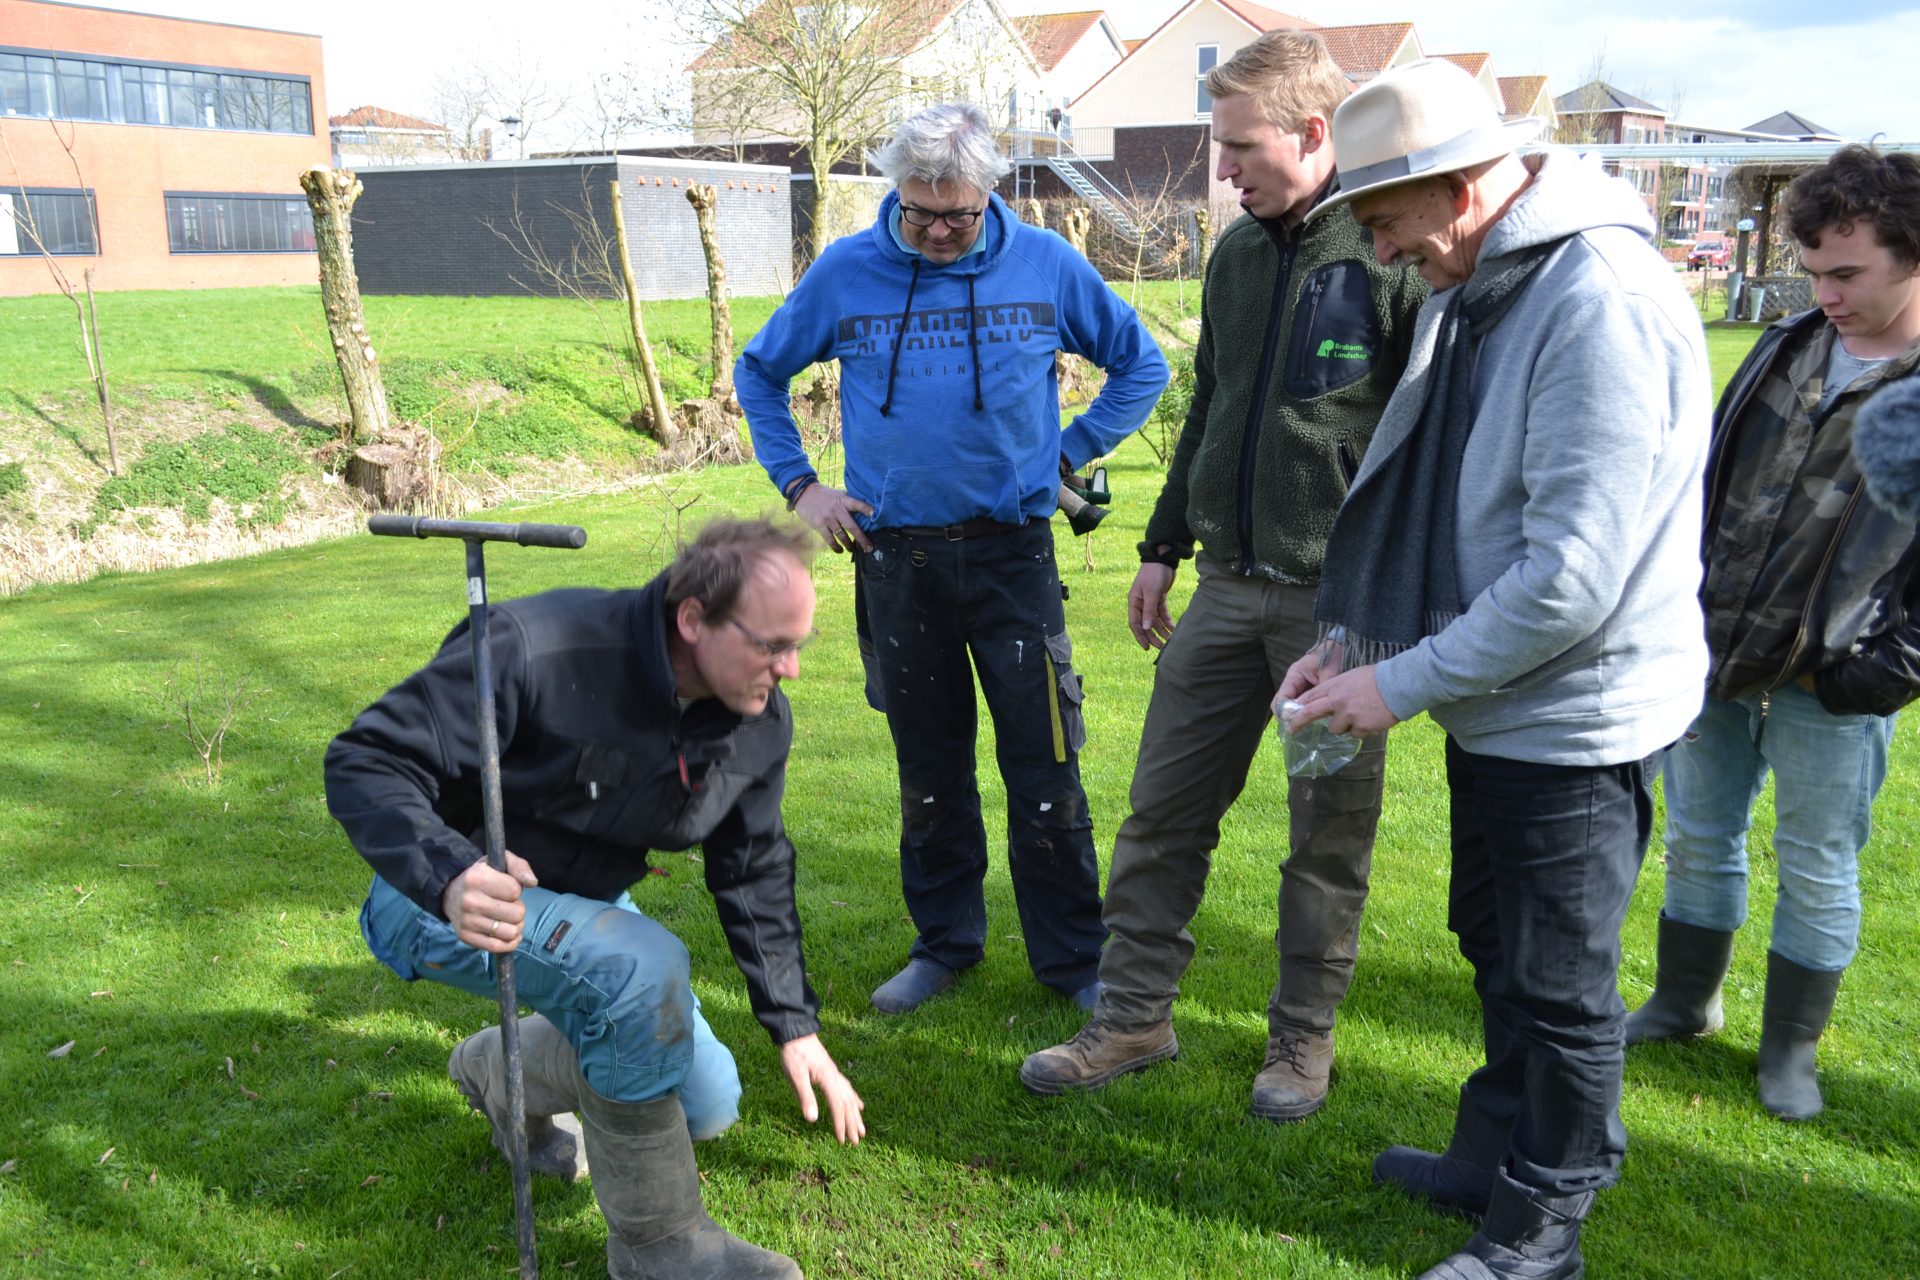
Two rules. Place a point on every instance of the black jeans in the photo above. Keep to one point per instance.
(1544, 863)
(931, 605)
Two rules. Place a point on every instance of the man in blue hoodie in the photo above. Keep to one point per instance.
(945, 317)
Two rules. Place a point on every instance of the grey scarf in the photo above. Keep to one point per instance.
(1390, 575)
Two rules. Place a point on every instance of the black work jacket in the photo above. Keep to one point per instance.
(598, 765)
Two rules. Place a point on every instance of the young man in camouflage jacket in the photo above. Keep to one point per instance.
(1812, 600)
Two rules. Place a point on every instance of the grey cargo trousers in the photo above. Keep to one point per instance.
(1212, 690)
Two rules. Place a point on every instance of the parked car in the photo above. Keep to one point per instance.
(1708, 254)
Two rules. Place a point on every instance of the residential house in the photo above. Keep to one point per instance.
(188, 139)
(1596, 113)
(368, 136)
(1072, 50)
(1480, 67)
(1145, 127)
(1523, 96)
(1789, 126)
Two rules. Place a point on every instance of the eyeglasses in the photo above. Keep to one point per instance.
(771, 650)
(958, 219)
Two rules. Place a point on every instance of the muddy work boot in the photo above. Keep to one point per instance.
(479, 1070)
(1099, 1053)
(649, 1192)
(1293, 1083)
(1692, 963)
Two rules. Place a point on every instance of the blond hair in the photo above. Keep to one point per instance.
(1289, 75)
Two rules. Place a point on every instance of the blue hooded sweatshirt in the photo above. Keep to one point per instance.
(949, 407)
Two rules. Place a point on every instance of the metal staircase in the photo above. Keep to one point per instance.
(1090, 185)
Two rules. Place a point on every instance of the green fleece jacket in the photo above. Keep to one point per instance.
(1303, 336)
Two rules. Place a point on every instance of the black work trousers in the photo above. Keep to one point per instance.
(1544, 863)
(938, 613)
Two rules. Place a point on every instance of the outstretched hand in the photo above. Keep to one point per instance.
(808, 1064)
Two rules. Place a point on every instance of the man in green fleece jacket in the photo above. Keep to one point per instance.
(1303, 336)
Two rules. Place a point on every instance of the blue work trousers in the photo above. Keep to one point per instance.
(613, 981)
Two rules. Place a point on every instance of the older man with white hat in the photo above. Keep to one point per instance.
(1518, 557)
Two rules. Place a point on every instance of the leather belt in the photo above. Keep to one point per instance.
(955, 532)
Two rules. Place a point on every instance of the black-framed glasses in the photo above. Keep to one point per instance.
(958, 219)
(774, 651)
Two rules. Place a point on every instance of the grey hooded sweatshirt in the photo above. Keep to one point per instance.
(1581, 641)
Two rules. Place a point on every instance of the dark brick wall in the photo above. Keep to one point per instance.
(452, 229)
(1146, 159)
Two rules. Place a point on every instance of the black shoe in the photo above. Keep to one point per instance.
(1444, 1181)
(1528, 1235)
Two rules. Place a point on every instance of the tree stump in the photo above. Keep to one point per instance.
(711, 432)
(398, 473)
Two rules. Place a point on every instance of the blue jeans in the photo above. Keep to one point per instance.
(940, 613)
(1544, 862)
(613, 981)
(1827, 769)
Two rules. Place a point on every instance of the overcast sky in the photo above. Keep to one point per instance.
(1725, 65)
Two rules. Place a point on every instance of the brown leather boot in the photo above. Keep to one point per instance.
(1293, 1083)
(1099, 1053)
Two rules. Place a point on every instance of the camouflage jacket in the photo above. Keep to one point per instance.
(1804, 574)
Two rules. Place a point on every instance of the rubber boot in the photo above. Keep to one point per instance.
(548, 1072)
(1692, 963)
(1457, 1180)
(649, 1192)
(1799, 1002)
(1528, 1235)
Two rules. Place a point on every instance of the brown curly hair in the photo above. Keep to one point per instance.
(715, 566)
(1860, 184)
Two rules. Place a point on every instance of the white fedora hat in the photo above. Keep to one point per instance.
(1413, 122)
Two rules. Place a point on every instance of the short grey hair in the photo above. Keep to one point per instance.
(950, 143)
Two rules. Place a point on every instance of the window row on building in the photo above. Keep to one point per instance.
(64, 88)
(63, 222)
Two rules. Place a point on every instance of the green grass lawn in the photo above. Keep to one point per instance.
(248, 1093)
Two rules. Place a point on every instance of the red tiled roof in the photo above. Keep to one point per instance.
(1471, 63)
(1134, 44)
(381, 118)
(914, 24)
(1521, 92)
(1052, 36)
(1365, 49)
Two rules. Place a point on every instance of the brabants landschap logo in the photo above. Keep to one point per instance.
(1331, 350)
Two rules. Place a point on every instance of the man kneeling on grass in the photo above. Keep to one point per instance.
(628, 721)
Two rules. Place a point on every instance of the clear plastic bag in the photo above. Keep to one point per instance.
(1313, 751)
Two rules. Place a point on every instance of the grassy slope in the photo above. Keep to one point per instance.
(274, 1103)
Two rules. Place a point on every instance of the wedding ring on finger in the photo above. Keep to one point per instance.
(493, 929)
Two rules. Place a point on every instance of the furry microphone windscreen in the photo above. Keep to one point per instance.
(1886, 444)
